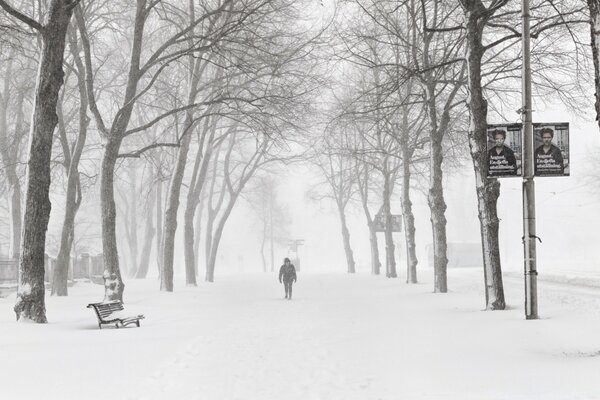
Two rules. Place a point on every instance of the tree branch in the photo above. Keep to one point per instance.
(138, 153)
(22, 17)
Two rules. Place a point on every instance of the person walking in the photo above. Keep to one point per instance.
(287, 275)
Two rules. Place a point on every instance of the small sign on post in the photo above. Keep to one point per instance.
(505, 152)
(379, 223)
(551, 144)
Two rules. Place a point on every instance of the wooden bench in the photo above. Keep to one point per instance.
(112, 312)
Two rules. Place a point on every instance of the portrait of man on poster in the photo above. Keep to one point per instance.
(548, 157)
(501, 158)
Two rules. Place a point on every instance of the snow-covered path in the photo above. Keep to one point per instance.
(341, 337)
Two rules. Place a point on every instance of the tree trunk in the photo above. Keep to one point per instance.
(30, 304)
(9, 159)
(144, 265)
(15, 216)
(364, 197)
(197, 236)
(133, 240)
(408, 216)
(166, 282)
(263, 241)
(188, 232)
(113, 282)
(488, 189)
(346, 240)
(216, 240)
(73, 198)
(375, 263)
(435, 198)
(61, 269)
(172, 206)
(594, 6)
(208, 241)
(389, 239)
(210, 220)
(194, 201)
(159, 226)
(271, 238)
(60, 272)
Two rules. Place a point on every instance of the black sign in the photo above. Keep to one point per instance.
(504, 150)
(551, 149)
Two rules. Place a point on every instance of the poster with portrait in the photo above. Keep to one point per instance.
(505, 150)
(551, 149)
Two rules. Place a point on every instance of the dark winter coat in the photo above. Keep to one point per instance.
(550, 163)
(287, 273)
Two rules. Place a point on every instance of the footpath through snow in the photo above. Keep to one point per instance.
(341, 337)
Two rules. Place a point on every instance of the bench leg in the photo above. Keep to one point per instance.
(117, 325)
(100, 325)
(138, 323)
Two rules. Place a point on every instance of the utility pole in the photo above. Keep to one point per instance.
(529, 234)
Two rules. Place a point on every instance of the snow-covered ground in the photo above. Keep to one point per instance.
(341, 337)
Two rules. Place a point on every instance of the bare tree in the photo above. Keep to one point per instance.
(336, 168)
(476, 17)
(441, 81)
(30, 303)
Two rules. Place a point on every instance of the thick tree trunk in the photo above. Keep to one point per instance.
(488, 189)
(113, 282)
(390, 259)
(144, 265)
(346, 240)
(594, 6)
(435, 199)
(408, 217)
(30, 304)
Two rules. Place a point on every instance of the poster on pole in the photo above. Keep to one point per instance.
(551, 149)
(504, 147)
